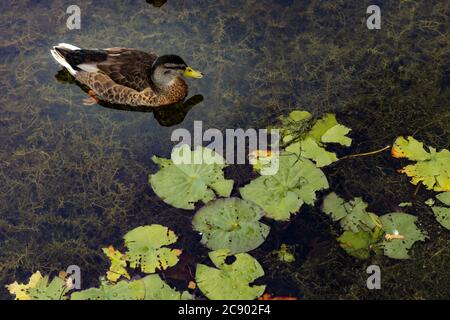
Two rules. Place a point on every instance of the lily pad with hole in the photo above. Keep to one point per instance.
(283, 193)
(190, 176)
(231, 224)
(402, 224)
(147, 248)
(230, 279)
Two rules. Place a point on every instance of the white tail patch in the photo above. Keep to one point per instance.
(60, 59)
(88, 67)
(67, 46)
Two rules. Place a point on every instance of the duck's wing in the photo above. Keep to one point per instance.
(127, 67)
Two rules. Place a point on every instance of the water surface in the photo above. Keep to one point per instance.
(74, 178)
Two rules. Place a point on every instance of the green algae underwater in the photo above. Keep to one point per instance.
(74, 178)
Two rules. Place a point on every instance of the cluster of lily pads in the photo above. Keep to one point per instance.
(232, 226)
(393, 233)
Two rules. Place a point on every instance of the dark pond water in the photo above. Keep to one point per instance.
(73, 178)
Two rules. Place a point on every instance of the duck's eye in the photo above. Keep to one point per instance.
(167, 72)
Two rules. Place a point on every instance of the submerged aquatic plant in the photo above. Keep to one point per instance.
(232, 277)
(283, 193)
(308, 140)
(443, 213)
(432, 168)
(231, 224)
(196, 176)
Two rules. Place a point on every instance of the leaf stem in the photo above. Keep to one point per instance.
(365, 153)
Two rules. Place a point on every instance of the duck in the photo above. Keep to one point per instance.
(127, 76)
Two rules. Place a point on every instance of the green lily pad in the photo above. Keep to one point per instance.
(430, 202)
(122, 290)
(157, 289)
(432, 168)
(284, 255)
(403, 224)
(146, 248)
(444, 197)
(409, 148)
(150, 287)
(442, 215)
(337, 134)
(311, 144)
(405, 204)
(299, 115)
(231, 224)
(39, 288)
(118, 264)
(309, 149)
(359, 244)
(230, 280)
(283, 194)
(198, 178)
(352, 215)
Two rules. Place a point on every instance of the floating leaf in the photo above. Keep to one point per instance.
(311, 150)
(197, 178)
(150, 287)
(352, 215)
(282, 194)
(430, 202)
(310, 144)
(122, 290)
(20, 290)
(230, 280)
(442, 216)
(432, 169)
(405, 204)
(118, 264)
(299, 115)
(359, 244)
(403, 224)
(231, 224)
(409, 148)
(284, 255)
(337, 134)
(157, 289)
(146, 248)
(39, 288)
(444, 197)
(334, 206)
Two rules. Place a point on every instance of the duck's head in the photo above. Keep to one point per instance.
(167, 68)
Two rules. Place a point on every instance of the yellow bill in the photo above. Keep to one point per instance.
(191, 73)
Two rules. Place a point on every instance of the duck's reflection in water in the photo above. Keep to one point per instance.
(166, 116)
(156, 3)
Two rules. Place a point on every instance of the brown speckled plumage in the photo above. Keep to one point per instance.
(123, 76)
